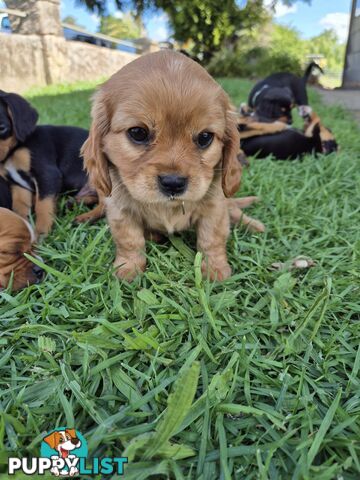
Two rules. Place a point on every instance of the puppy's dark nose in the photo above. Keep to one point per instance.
(74, 441)
(172, 184)
(38, 272)
(329, 146)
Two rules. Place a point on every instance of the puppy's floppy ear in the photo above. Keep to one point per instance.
(231, 167)
(95, 160)
(71, 432)
(52, 439)
(23, 115)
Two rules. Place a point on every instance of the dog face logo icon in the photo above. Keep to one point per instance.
(64, 446)
(63, 441)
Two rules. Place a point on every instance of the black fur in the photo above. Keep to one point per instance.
(273, 97)
(287, 145)
(6, 127)
(309, 70)
(24, 116)
(5, 194)
(56, 164)
(273, 104)
(329, 146)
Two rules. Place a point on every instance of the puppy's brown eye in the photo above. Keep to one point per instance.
(139, 135)
(204, 139)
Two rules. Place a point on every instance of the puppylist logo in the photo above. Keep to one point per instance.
(64, 453)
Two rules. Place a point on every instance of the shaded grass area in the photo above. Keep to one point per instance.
(271, 358)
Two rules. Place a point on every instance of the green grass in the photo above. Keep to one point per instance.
(253, 378)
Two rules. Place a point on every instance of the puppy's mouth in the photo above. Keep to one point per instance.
(64, 453)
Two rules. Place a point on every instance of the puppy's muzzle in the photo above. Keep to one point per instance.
(38, 273)
(171, 185)
(329, 146)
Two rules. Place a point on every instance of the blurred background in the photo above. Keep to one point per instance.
(241, 38)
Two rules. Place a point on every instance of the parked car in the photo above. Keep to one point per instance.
(5, 26)
(71, 34)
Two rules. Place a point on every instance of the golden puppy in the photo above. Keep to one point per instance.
(16, 238)
(163, 151)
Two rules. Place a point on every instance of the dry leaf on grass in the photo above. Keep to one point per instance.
(298, 263)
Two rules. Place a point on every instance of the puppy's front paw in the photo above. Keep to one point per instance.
(256, 226)
(84, 217)
(215, 270)
(129, 268)
(92, 215)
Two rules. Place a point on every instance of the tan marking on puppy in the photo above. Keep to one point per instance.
(312, 120)
(6, 146)
(45, 214)
(325, 134)
(2, 171)
(252, 128)
(309, 124)
(21, 159)
(174, 99)
(21, 200)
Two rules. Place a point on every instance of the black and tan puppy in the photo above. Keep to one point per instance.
(280, 140)
(274, 97)
(289, 144)
(328, 141)
(47, 155)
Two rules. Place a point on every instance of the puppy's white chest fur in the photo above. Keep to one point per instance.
(169, 218)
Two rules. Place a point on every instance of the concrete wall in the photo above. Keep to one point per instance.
(22, 63)
(35, 60)
(70, 61)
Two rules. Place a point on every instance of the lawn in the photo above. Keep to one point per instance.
(271, 358)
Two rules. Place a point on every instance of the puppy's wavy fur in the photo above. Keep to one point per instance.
(175, 99)
(16, 238)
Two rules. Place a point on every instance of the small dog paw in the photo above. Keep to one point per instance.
(84, 217)
(215, 271)
(129, 269)
(256, 226)
(243, 202)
